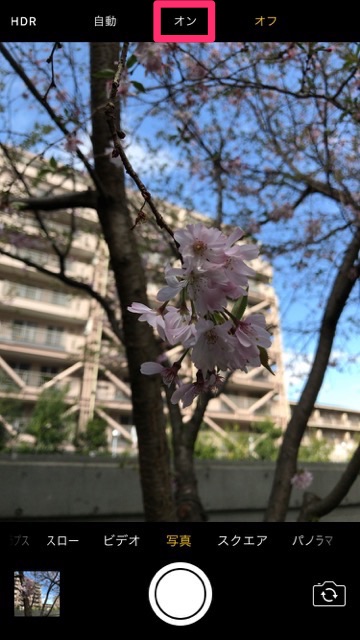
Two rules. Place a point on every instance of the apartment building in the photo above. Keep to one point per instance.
(339, 425)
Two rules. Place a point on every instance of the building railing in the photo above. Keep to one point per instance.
(37, 379)
(73, 266)
(111, 392)
(335, 423)
(37, 336)
(34, 378)
(29, 292)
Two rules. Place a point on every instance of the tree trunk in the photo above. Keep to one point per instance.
(25, 597)
(188, 502)
(116, 223)
(344, 282)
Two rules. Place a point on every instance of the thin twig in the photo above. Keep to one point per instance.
(50, 61)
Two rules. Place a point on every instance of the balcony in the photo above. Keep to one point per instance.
(333, 418)
(74, 268)
(37, 336)
(43, 302)
(28, 334)
(335, 422)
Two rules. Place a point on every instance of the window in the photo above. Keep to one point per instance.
(60, 298)
(23, 331)
(26, 291)
(120, 395)
(54, 336)
(23, 371)
(42, 295)
(39, 257)
(48, 373)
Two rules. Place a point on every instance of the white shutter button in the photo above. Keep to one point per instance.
(180, 593)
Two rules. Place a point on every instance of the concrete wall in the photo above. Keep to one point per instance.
(84, 488)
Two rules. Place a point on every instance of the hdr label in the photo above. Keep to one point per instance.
(22, 21)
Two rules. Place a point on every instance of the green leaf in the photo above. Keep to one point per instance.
(216, 317)
(140, 87)
(104, 73)
(343, 115)
(53, 163)
(131, 61)
(239, 307)
(264, 359)
(41, 173)
(47, 128)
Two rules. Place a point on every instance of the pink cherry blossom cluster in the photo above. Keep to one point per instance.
(71, 143)
(302, 479)
(28, 587)
(213, 271)
(149, 54)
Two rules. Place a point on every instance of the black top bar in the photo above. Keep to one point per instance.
(232, 24)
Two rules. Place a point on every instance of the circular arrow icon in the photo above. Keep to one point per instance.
(334, 594)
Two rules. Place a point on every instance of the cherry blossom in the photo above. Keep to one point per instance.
(71, 143)
(251, 331)
(302, 479)
(168, 374)
(213, 272)
(208, 289)
(174, 285)
(179, 326)
(28, 587)
(149, 55)
(207, 286)
(213, 345)
(186, 393)
(153, 317)
(195, 70)
(201, 243)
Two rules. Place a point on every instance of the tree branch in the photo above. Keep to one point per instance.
(87, 199)
(314, 507)
(50, 61)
